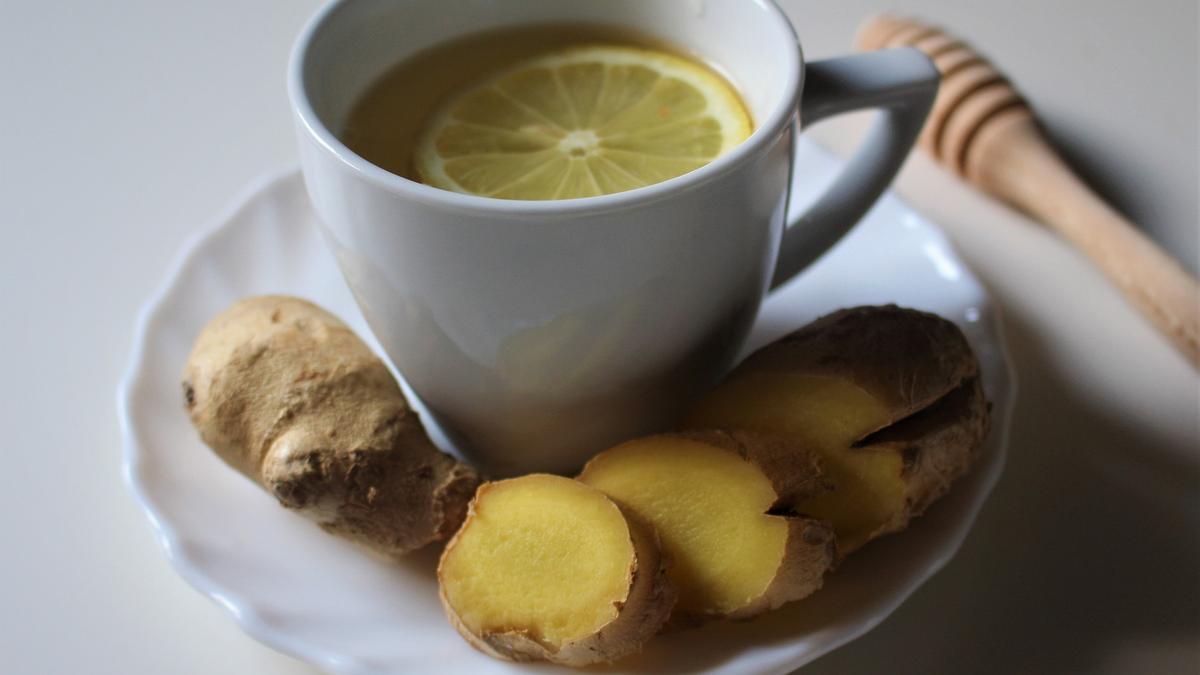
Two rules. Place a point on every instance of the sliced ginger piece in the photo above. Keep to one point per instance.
(889, 397)
(721, 504)
(546, 568)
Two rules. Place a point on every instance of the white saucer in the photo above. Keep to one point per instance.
(295, 588)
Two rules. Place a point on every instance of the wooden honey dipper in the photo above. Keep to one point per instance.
(984, 131)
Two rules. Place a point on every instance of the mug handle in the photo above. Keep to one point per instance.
(902, 84)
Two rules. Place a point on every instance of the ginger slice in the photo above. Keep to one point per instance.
(721, 504)
(889, 397)
(547, 568)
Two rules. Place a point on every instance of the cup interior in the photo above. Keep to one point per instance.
(351, 43)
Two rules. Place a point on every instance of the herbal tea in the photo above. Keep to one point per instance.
(547, 112)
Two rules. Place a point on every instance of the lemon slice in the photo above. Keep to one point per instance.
(581, 122)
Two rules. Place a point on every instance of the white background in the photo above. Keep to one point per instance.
(125, 125)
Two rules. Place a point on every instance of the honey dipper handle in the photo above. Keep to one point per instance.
(1011, 159)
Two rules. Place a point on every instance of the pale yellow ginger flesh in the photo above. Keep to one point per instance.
(547, 568)
(710, 509)
(826, 415)
(711, 505)
(554, 561)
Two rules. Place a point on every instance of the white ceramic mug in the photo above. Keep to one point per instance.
(539, 333)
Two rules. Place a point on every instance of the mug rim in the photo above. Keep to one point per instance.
(779, 117)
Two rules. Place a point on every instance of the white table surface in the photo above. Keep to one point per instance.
(125, 125)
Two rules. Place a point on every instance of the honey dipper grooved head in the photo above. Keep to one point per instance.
(972, 95)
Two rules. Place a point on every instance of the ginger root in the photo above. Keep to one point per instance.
(889, 397)
(546, 568)
(286, 394)
(724, 507)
